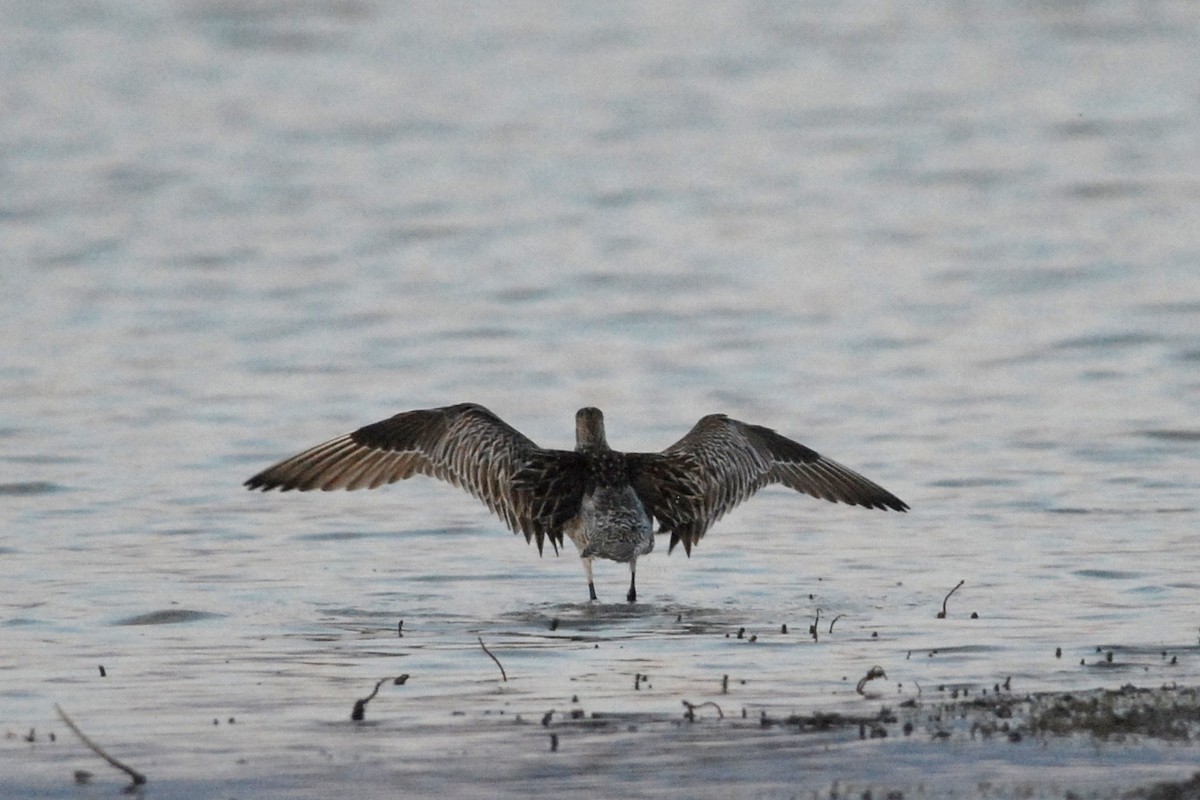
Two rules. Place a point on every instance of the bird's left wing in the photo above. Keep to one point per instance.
(721, 462)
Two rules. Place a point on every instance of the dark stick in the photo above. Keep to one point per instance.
(360, 706)
(942, 613)
(691, 709)
(872, 674)
(835, 619)
(498, 664)
(138, 778)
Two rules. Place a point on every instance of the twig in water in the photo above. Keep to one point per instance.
(812, 629)
(138, 778)
(360, 706)
(835, 619)
(872, 674)
(942, 613)
(503, 674)
(690, 716)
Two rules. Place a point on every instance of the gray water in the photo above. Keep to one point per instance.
(951, 245)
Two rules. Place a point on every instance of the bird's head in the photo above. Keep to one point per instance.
(589, 429)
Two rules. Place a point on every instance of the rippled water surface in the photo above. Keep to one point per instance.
(951, 245)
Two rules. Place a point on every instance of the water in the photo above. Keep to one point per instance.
(950, 245)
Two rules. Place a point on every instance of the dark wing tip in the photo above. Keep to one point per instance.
(839, 484)
(259, 483)
(265, 482)
(687, 539)
(889, 502)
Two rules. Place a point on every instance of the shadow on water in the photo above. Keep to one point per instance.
(170, 616)
(30, 488)
(629, 619)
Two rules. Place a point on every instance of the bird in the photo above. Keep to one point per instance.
(603, 500)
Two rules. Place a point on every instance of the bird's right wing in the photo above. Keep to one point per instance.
(530, 488)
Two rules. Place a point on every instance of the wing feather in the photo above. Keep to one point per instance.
(722, 462)
(532, 489)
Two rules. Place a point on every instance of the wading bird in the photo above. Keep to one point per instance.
(603, 500)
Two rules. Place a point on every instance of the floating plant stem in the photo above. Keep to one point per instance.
(690, 715)
(942, 613)
(872, 674)
(137, 777)
(360, 705)
(503, 674)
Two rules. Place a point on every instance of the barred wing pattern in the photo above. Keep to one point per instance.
(721, 462)
(535, 491)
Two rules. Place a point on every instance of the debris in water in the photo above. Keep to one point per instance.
(872, 674)
(360, 705)
(498, 664)
(690, 714)
(138, 778)
(942, 614)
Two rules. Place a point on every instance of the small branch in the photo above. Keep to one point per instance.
(812, 629)
(138, 778)
(872, 674)
(503, 674)
(360, 706)
(835, 619)
(691, 709)
(942, 613)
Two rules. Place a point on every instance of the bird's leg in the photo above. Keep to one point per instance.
(632, 596)
(587, 571)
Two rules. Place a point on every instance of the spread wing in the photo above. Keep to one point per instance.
(721, 462)
(535, 491)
